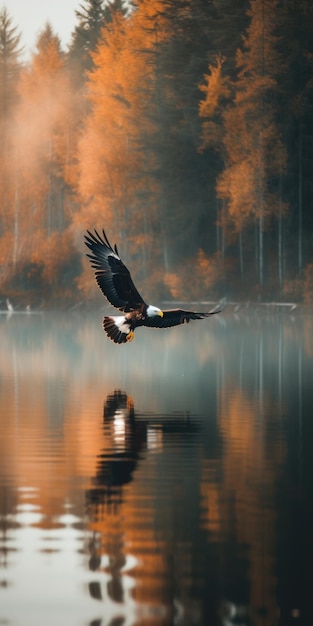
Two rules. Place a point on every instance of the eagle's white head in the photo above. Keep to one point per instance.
(153, 311)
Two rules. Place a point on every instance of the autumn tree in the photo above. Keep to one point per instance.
(115, 166)
(255, 156)
(42, 195)
(216, 87)
(164, 50)
(92, 18)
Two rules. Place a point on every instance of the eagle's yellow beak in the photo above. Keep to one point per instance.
(160, 313)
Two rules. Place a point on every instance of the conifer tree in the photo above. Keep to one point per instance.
(92, 16)
(296, 112)
(10, 50)
(180, 62)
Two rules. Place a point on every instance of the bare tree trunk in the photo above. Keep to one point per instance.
(165, 251)
(261, 253)
(261, 370)
(49, 195)
(280, 251)
(300, 208)
(16, 221)
(241, 255)
(218, 238)
(280, 367)
(280, 239)
(222, 241)
(256, 248)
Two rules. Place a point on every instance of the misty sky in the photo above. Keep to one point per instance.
(30, 16)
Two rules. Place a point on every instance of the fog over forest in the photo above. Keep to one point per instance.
(184, 128)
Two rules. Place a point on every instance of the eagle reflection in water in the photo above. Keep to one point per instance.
(132, 437)
(129, 438)
(116, 465)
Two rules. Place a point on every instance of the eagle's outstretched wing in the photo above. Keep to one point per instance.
(112, 275)
(174, 317)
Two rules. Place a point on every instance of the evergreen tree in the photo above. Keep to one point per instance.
(296, 107)
(10, 51)
(180, 61)
(92, 17)
(231, 21)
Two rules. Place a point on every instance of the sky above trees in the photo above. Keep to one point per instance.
(32, 16)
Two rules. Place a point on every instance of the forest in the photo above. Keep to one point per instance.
(184, 128)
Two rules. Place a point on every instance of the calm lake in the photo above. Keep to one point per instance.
(164, 482)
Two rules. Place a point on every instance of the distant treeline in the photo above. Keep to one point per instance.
(183, 127)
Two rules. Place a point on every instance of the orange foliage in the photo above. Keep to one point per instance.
(252, 145)
(91, 157)
(196, 280)
(237, 185)
(119, 89)
(39, 161)
(174, 283)
(215, 89)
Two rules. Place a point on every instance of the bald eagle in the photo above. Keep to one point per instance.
(117, 286)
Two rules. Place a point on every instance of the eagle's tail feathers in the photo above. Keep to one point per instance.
(118, 329)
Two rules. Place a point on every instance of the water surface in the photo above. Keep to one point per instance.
(168, 481)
